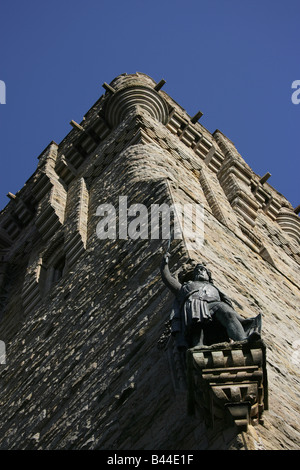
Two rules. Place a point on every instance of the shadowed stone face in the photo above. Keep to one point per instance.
(200, 273)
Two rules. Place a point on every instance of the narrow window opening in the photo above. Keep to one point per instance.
(52, 269)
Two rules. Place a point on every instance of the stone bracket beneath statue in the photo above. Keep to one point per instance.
(228, 382)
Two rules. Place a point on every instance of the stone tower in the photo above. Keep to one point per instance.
(87, 358)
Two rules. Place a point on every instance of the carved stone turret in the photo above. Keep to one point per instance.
(81, 315)
(134, 94)
(228, 382)
(289, 222)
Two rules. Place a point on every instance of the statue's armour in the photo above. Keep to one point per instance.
(196, 295)
(201, 290)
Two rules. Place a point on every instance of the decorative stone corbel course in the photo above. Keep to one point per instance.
(235, 179)
(228, 382)
(76, 220)
(50, 193)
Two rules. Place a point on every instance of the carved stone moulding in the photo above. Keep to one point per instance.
(228, 382)
(134, 98)
(289, 222)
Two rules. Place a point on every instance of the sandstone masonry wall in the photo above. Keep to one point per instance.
(89, 362)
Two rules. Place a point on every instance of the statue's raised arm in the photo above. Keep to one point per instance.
(201, 313)
(167, 278)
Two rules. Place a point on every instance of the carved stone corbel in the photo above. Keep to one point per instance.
(228, 382)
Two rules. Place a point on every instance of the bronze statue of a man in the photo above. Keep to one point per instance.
(202, 314)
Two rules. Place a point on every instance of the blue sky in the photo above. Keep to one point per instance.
(235, 60)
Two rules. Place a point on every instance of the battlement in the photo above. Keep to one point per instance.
(86, 315)
(80, 154)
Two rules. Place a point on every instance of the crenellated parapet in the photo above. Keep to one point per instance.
(135, 111)
(82, 314)
(151, 116)
(250, 195)
(50, 194)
